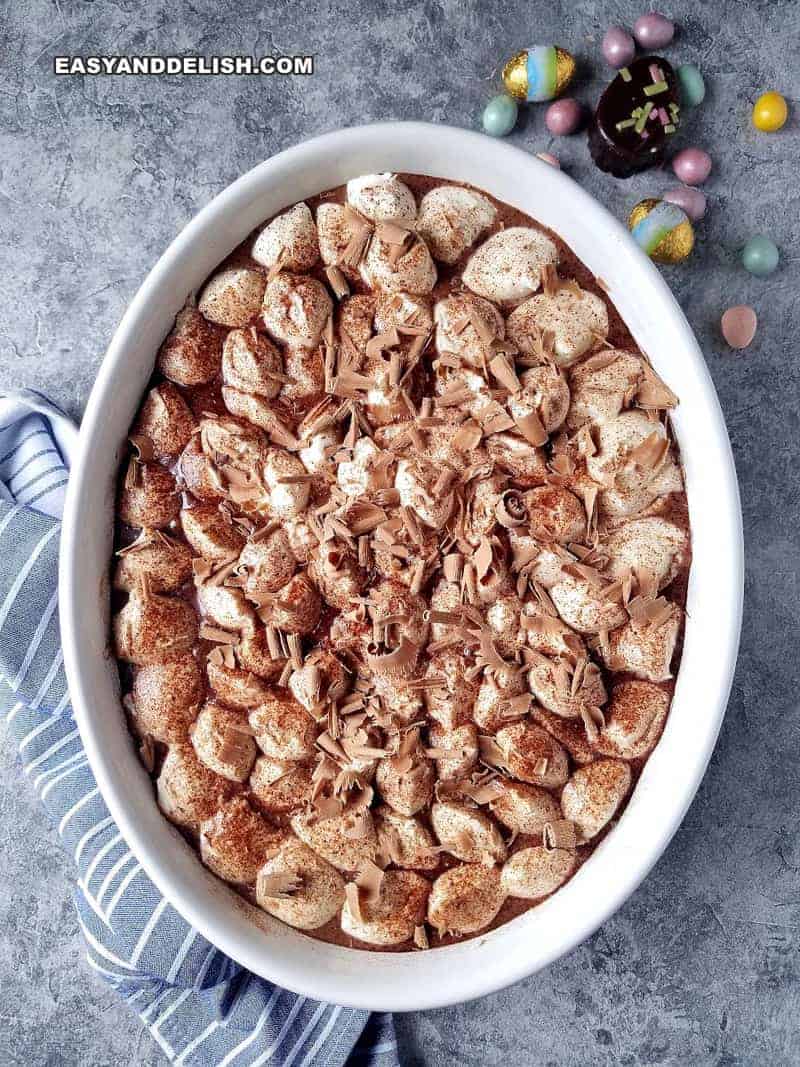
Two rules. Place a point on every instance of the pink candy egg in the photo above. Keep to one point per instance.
(548, 157)
(692, 201)
(618, 47)
(563, 117)
(692, 166)
(654, 30)
(739, 326)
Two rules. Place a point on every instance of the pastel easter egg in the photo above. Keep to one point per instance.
(739, 326)
(654, 30)
(760, 256)
(662, 230)
(563, 117)
(538, 73)
(770, 112)
(500, 115)
(692, 166)
(692, 200)
(693, 88)
(619, 47)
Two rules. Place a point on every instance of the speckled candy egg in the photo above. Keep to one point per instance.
(689, 199)
(500, 115)
(618, 46)
(760, 256)
(692, 166)
(538, 73)
(739, 325)
(770, 112)
(564, 117)
(662, 230)
(693, 88)
(654, 30)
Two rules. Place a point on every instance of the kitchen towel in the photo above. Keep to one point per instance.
(200, 1006)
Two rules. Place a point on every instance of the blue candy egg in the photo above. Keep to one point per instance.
(500, 115)
(693, 88)
(760, 256)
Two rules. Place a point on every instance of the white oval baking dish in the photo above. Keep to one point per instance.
(414, 980)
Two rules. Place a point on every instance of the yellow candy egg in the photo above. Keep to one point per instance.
(770, 112)
(541, 72)
(662, 229)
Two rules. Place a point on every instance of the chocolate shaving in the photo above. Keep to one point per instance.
(511, 510)
(417, 577)
(133, 475)
(279, 885)
(216, 634)
(559, 834)
(370, 879)
(358, 827)
(143, 448)
(468, 436)
(486, 792)
(337, 282)
(453, 566)
(363, 517)
(380, 341)
(532, 429)
(480, 326)
(360, 234)
(277, 266)
(593, 722)
(550, 280)
(393, 233)
(234, 748)
(653, 392)
(651, 452)
(353, 897)
(147, 753)
(505, 374)
(332, 747)
(483, 558)
(491, 753)
(454, 397)
(398, 661)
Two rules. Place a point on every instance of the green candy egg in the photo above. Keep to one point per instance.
(693, 88)
(500, 115)
(760, 256)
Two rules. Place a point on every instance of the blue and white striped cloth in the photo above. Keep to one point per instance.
(200, 1006)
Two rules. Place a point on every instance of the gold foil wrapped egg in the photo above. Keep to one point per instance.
(538, 73)
(662, 230)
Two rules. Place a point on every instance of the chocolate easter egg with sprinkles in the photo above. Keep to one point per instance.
(541, 72)
(637, 116)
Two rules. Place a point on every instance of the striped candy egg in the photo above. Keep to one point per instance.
(662, 230)
(538, 73)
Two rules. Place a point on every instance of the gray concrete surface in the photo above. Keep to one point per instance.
(98, 174)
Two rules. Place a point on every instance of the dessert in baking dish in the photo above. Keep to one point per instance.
(401, 564)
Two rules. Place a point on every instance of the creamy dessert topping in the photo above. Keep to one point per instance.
(401, 564)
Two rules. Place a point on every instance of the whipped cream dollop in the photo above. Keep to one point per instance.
(382, 198)
(233, 297)
(295, 309)
(508, 266)
(574, 318)
(289, 241)
(451, 218)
